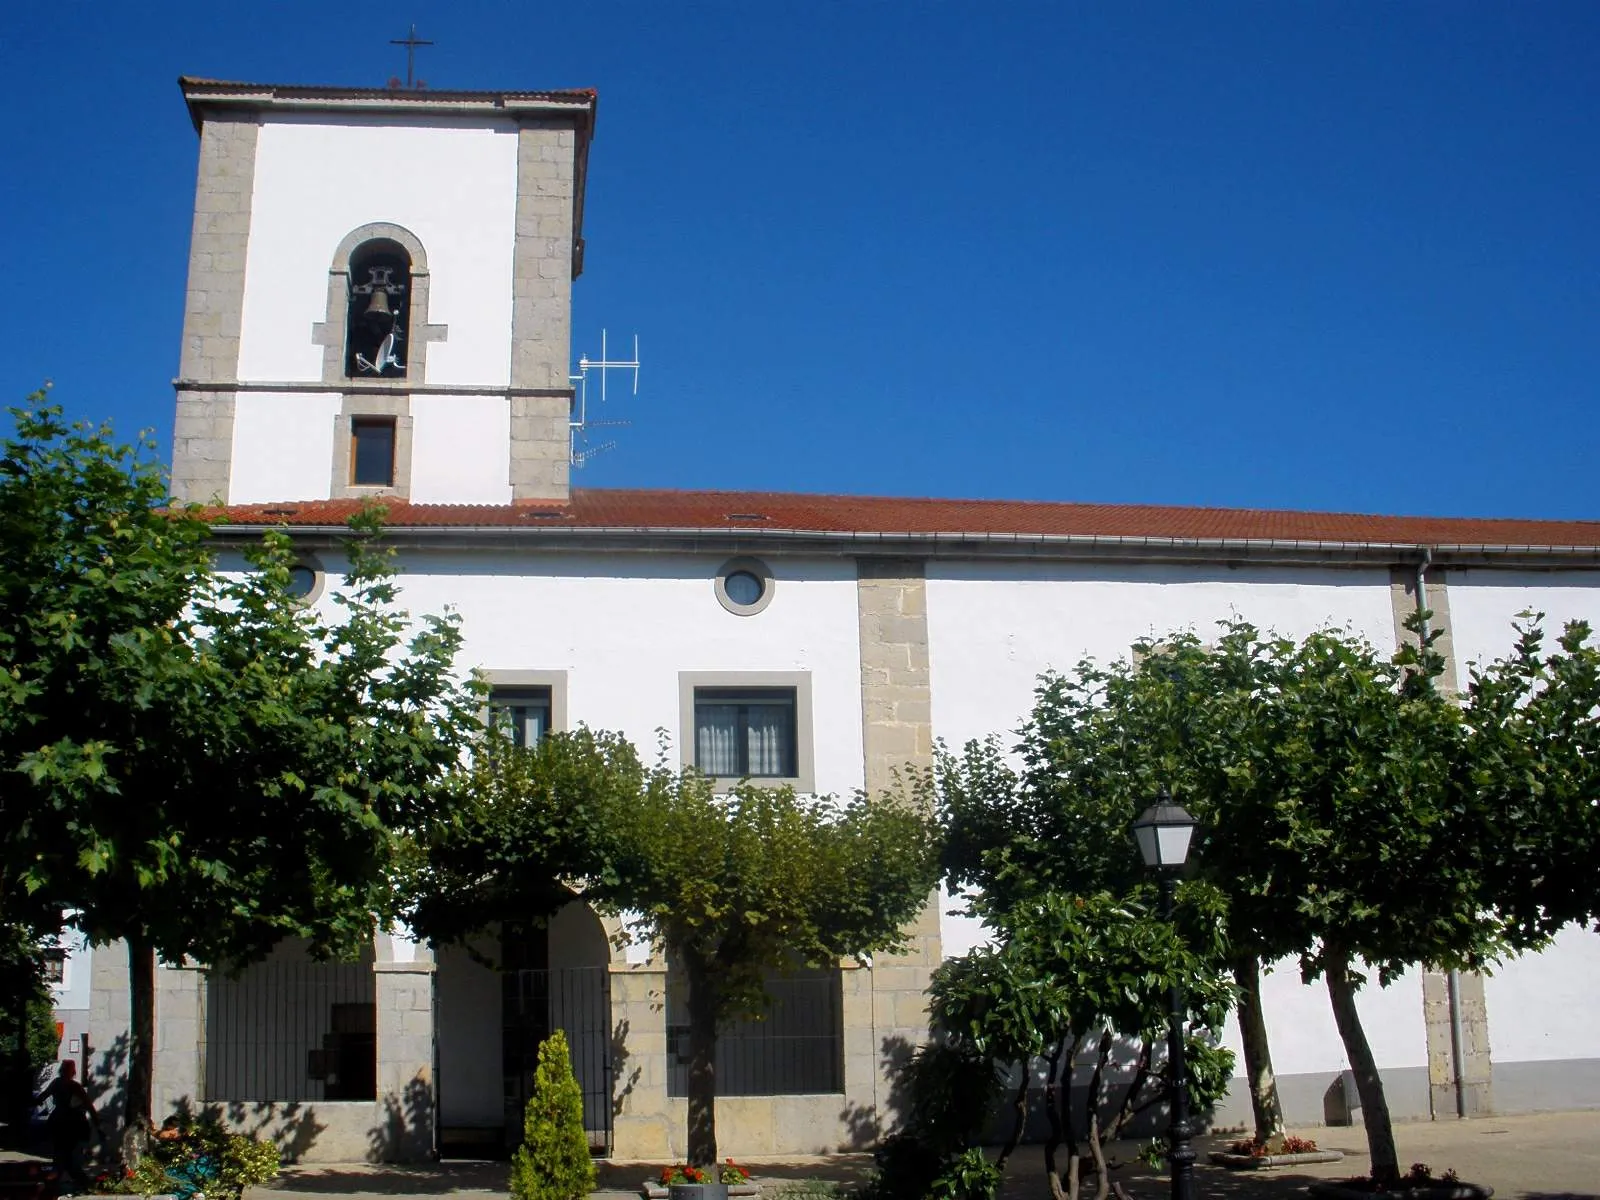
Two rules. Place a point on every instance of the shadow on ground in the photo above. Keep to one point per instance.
(384, 1179)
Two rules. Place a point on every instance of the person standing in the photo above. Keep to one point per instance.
(72, 1118)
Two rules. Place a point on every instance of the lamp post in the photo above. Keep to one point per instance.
(1163, 832)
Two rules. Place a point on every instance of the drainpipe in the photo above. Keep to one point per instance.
(1453, 980)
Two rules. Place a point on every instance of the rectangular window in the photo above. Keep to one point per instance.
(292, 1031)
(795, 1049)
(372, 451)
(745, 732)
(522, 713)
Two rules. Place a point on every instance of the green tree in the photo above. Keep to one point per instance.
(735, 886)
(1072, 973)
(527, 829)
(1344, 807)
(195, 763)
(553, 1162)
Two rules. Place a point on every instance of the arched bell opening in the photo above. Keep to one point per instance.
(378, 310)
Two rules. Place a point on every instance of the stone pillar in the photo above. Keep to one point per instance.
(178, 1078)
(202, 434)
(107, 1074)
(543, 267)
(641, 1127)
(897, 742)
(404, 994)
(1475, 1068)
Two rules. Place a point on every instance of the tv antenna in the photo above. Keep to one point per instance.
(582, 451)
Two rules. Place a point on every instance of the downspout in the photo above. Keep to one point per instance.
(1453, 979)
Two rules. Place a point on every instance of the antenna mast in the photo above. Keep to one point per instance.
(582, 451)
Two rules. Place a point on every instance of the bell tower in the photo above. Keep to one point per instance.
(379, 294)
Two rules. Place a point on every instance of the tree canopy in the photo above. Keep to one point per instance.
(194, 761)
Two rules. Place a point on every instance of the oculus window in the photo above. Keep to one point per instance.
(746, 732)
(744, 586)
(372, 451)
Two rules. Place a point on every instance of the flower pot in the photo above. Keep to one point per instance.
(698, 1191)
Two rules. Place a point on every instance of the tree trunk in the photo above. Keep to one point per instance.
(1102, 1183)
(1264, 1099)
(1374, 1108)
(1052, 1111)
(141, 1044)
(1020, 1105)
(703, 1004)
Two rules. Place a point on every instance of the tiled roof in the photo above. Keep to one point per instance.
(756, 512)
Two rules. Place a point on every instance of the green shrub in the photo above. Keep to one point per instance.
(186, 1157)
(553, 1161)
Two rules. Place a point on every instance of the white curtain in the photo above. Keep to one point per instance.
(716, 732)
(768, 738)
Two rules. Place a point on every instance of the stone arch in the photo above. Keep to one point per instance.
(329, 333)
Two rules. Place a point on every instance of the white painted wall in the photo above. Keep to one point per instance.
(1483, 605)
(1304, 1038)
(1537, 1004)
(453, 185)
(993, 628)
(623, 627)
(460, 450)
(282, 446)
(73, 990)
(1541, 1006)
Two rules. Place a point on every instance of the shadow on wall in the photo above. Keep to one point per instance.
(623, 1081)
(405, 1131)
(865, 1124)
(106, 1081)
(290, 1125)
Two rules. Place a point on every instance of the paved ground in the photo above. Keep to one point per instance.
(1547, 1157)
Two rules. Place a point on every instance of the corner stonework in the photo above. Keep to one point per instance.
(202, 434)
(897, 743)
(1476, 1097)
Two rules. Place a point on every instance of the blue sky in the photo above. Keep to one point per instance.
(1306, 255)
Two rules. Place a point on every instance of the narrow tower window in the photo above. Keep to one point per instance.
(372, 451)
(379, 310)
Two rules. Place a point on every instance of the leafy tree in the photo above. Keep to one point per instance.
(734, 886)
(1346, 806)
(527, 828)
(194, 762)
(1533, 724)
(553, 1162)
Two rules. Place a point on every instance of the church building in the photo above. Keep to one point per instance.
(411, 343)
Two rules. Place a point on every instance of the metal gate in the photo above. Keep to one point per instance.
(577, 1001)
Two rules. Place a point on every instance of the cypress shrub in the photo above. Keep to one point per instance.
(553, 1161)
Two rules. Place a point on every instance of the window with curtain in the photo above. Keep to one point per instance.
(741, 732)
(522, 714)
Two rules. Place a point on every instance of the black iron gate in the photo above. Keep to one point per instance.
(577, 1001)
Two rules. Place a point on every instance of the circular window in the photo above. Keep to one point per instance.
(306, 580)
(744, 586)
(302, 581)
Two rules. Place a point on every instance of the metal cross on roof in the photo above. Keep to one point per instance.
(411, 41)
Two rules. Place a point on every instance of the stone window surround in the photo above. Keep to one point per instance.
(804, 779)
(372, 405)
(329, 333)
(319, 582)
(556, 681)
(752, 566)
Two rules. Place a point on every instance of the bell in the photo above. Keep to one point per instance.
(378, 306)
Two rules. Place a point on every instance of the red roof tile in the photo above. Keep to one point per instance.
(753, 512)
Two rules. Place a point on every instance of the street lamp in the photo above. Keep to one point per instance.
(1164, 832)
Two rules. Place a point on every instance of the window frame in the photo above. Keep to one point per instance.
(361, 421)
(749, 566)
(553, 682)
(691, 683)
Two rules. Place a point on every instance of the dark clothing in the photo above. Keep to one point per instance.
(68, 1126)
